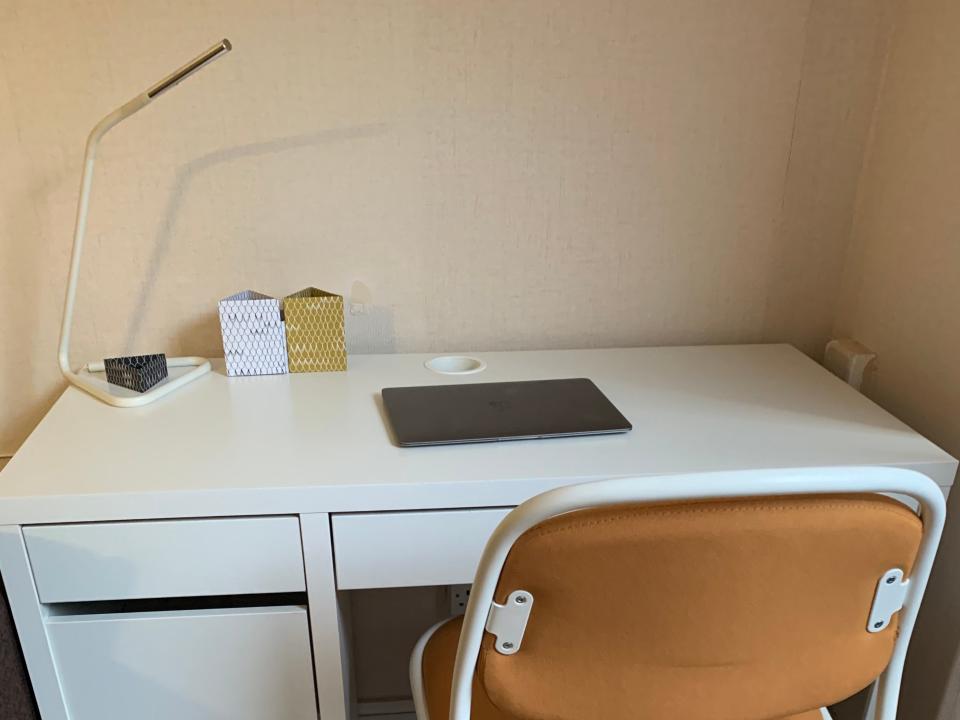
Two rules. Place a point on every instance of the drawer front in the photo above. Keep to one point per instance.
(411, 548)
(242, 664)
(173, 558)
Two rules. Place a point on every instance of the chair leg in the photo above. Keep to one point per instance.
(416, 673)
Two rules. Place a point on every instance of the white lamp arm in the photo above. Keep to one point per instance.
(80, 227)
(89, 159)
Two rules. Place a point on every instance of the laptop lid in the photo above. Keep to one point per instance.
(487, 412)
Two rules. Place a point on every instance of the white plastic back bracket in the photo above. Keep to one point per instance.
(889, 599)
(508, 622)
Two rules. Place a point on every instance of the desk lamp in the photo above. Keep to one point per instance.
(85, 378)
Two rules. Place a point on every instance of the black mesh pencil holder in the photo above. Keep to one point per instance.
(137, 372)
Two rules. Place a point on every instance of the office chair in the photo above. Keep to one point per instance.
(760, 595)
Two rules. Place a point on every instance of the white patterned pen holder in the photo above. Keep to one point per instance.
(254, 341)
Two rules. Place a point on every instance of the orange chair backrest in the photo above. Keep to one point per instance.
(718, 610)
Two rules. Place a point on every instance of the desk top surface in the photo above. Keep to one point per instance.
(319, 443)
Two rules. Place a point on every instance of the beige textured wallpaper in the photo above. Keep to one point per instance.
(901, 296)
(479, 174)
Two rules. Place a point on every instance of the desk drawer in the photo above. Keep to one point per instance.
(241, 664)
(163, 559)
(411, 548)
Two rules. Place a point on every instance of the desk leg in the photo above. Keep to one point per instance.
(327, 623)
(28, 618)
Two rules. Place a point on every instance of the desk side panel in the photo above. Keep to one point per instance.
(28, 617)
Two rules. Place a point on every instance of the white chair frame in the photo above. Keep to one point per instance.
(699, 486)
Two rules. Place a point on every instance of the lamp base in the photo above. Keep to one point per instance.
(182, 370)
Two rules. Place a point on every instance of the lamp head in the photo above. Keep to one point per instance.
(181, 74)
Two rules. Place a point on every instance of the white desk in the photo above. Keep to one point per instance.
(251, 461)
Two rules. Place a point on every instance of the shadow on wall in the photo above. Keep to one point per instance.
(368, 328)
(181, 188)
(33, 283)
(28, 416)
(370, 332)
(199, 336)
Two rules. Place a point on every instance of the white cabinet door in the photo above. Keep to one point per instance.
(237, 664)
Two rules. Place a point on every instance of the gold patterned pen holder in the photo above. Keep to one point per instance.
(314, 323)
